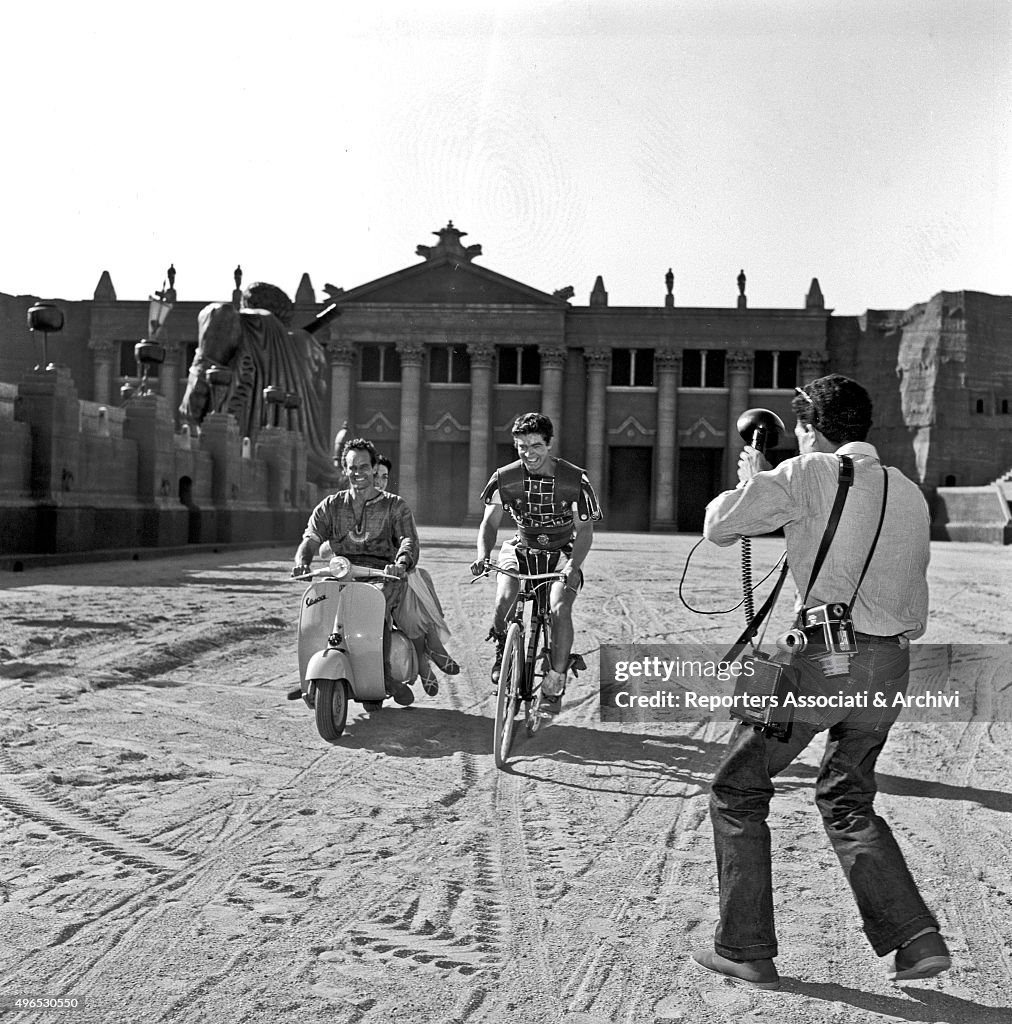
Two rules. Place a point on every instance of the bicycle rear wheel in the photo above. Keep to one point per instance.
(510, 675)
(539, 660)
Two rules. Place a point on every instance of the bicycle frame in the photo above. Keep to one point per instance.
(520, 671)
(535, 592)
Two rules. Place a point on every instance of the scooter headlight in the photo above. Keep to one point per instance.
(340, 567)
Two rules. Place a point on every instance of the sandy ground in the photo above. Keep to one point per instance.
(181, 845)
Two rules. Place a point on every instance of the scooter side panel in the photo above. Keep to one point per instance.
(316, 619)
(403, 665)
(361, 619)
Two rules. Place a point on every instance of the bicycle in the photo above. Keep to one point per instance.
(526, 657)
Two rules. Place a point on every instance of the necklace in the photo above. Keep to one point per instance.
(358, 533)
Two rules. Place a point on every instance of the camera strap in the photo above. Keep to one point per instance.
(753, 627)
(874, 540)
(846, 478)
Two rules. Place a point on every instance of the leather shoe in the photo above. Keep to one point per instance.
(757, 973)
(401, 693)
(925, 957)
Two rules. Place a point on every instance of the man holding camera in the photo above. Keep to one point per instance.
(888, 606)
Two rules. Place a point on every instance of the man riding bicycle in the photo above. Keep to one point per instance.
(555, 508)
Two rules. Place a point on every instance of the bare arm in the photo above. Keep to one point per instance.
(306, 551)
(581, 543)
(487, 533)
(406, 535)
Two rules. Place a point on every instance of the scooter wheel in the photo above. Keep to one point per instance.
(331, 707)
(372, 705)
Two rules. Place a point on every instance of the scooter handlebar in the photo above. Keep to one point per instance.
(340, 568)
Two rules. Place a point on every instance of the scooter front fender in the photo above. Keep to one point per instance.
(328, 664)
(334, 664)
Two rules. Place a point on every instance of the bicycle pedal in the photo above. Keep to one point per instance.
(550, 707)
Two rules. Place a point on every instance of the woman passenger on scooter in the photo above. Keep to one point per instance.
(421, 603)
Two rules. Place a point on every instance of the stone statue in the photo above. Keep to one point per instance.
(260, 348)
(449, 245)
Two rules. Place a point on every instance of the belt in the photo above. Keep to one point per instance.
(894, 639)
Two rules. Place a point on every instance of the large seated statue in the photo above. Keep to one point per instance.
(260, 348)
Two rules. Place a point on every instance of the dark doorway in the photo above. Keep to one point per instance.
(443, 497)
(699, 481)
(193, 519)
(504, 455)
(630, 476)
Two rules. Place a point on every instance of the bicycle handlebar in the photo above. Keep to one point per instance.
(517, 575)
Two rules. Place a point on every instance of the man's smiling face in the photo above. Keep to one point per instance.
(533, 450)
(358, 466)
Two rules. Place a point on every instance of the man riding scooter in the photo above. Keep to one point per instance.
(372, 529)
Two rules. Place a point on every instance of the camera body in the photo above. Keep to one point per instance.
(765, 685)
(827, 633)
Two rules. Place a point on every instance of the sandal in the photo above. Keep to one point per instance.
(444, 663)
(430, 684)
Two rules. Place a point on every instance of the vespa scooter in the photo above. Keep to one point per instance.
(340, 642)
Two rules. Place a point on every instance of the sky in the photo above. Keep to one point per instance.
(866, 143)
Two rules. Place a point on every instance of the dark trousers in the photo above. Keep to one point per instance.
(890, 905)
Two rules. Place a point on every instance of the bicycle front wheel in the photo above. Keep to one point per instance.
(510, 675)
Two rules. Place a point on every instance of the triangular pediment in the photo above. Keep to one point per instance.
(631, 428)
(448, 280)
(701, 431)
(378, 426)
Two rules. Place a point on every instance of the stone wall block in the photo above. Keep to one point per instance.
(220, 438)
(48, 403)
(274, 449)
(150, 426)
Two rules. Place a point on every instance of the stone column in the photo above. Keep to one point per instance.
(668, 367)
(482, 357)
(739, 380)
(553, 365)
(342, 358)
(598, 363)
(169, 372)
(104, 360)
(411, 353)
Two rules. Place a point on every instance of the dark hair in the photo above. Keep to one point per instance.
(359, 444)
(534, 423)
(838, 407)
(382, 460)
